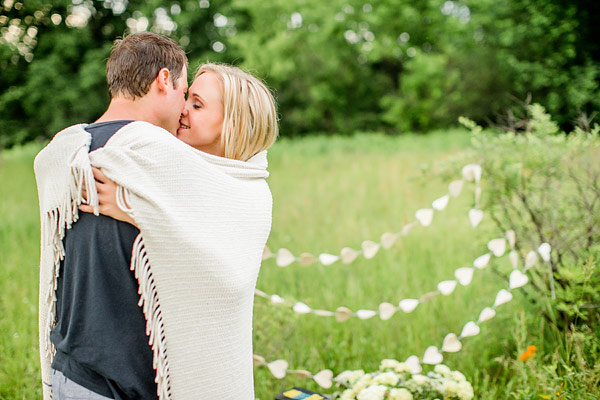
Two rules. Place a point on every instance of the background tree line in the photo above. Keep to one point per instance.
(336, 66)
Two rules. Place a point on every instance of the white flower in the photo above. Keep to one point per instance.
(419, 379)
(362, 383)
(355, 376)
(402, 367)
(462, 390)
(400, 394)
(375, 392)
(458, 376)
(387, 378)
(348, 394)
(442, 370)
(388, 363)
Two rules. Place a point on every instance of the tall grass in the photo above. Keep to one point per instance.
(328, 193)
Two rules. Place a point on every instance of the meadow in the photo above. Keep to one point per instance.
(328, 193)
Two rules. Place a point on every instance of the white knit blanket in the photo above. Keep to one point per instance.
(204, 221)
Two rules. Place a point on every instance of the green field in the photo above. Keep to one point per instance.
(328, 193)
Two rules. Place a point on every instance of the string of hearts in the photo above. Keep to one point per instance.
(424, 216)
(463, 275)
(432, 356)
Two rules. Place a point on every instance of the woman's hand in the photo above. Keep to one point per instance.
(107, 199)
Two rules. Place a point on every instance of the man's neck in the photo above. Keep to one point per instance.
(125, 109)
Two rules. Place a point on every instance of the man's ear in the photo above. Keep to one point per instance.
(163, 80)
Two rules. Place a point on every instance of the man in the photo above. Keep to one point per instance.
(98, 331)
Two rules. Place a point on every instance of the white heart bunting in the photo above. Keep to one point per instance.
(386, 310)
(486, 314)
(455, 187)
(464, 275)
(544, 251)
(503, 296)
(511, 237)
(301, 308)
(470, 329)
(531, 259)
(366, 314)
(514, 258)
(432, 356)
(497, 246)
(482, 261)
(451, 344)
(323, 378)
(446, 287)
(266, 253)
(370, 249)
(306, 259)
(424, 216)
(278, 368)
(342, 314)
(276, 299)
(284, 257)
(414, 364)
(408, 305)
(472, 172)
(388, 239)
(475, 216)
(517, 279)
(328, 259)
(441, 203)
(348, 255)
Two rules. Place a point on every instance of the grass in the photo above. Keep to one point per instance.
(328, 193)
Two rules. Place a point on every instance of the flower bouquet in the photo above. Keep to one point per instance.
(398, 381)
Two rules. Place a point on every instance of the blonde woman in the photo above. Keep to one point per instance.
(203, 210)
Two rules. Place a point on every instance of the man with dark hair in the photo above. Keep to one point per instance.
(97, 343)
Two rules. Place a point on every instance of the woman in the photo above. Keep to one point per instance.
(203, 220)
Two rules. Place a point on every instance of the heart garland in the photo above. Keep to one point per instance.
(386, 310)
(432, 355)
(424, 217)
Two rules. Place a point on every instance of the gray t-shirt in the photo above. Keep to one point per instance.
(100, 336)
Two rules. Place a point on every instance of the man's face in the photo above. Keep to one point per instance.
(175, 102)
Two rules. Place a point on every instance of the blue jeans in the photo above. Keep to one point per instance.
(65, 389)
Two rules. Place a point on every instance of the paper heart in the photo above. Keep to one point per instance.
(482, 261)
(451, 344)
(302, 373)
(258, 360)
(407, 228)
(517, 279)
(348, 255)
(531, 259)
(497, 246)
(366, 314)
(432, 356)
(369, 249)
(301, 308)
(276, 299)
(511, 237)
(446, 287)
(503, 296)
(470, 329)
(323, 378)
(455, 187)
(441, 203)
(414, 364)
(328, 259)
(342, 314)
(266, 253)
(260, 293)
(464, 275)
(408, 305)
(386, 310)
(514, 258)
(544, 251)
(475, 216)
(486, 314)
(284, 257)
(388, 239)
(324, 313)
(477, 194)
(343, 377)
(428, 296)
(472, 171)
(278, 368)
(306, 259)
(424, 216)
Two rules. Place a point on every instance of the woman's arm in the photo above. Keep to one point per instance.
(107, 199)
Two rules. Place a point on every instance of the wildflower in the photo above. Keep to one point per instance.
(388, 363)
(386, 378)
(374, 392)
(528, 354)
(442, 370)
(400, 394)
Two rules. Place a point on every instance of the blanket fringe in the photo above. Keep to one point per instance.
(56, 223)
(152, 311)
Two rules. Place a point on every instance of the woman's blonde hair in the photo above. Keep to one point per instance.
(250, 115)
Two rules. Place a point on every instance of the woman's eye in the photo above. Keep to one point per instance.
(197, 106)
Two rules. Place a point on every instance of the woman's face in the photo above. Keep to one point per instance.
(202, 118)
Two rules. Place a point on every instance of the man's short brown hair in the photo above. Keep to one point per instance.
(135, 60)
